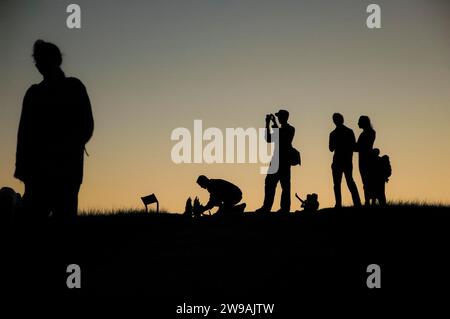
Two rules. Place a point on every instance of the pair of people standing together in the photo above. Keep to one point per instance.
(343, 143)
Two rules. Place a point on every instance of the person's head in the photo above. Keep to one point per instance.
(364, 122)
(338, 119)
(376, 152)
(282, 116)
(47, 57)
(203, 181)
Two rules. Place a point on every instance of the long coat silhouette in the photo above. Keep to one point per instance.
(55, 124)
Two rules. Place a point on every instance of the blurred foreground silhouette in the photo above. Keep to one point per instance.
(55, 125)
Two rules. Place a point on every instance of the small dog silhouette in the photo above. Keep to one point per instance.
(310, 204)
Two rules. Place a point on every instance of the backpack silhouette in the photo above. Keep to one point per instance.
(295, 157)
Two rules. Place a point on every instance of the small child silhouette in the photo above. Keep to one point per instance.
(381, 170)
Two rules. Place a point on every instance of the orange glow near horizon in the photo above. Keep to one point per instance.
(152, 67)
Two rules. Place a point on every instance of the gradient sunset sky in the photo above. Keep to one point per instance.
(152, 66)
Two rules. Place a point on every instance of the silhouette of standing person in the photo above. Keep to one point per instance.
(364, 147)
(283, 147)
(342, 142)
(380, 171)
(55, 124)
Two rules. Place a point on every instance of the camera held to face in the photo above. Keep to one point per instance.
(270, 117)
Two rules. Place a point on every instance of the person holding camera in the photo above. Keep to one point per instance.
(282, 135)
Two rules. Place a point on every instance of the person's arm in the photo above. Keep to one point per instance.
(331, 143)
(357, 146)
(274, 122)
(87, 118)
(22, 139)
(268, 134)
(291, 134)
(211, 203)
(373, 139)
(353, 141)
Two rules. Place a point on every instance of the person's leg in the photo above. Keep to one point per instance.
(234, 201)
(228, 205)
(35, 202)
(337, 178)
(223, 208)
(352, 185)
(66, 201)
(269, 190)
(285, 181)
(365, 177)
(371, 187)
(382, 193)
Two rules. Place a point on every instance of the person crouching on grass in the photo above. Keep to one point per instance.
(222, 194)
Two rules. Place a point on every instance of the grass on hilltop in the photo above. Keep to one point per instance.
(139, 211)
